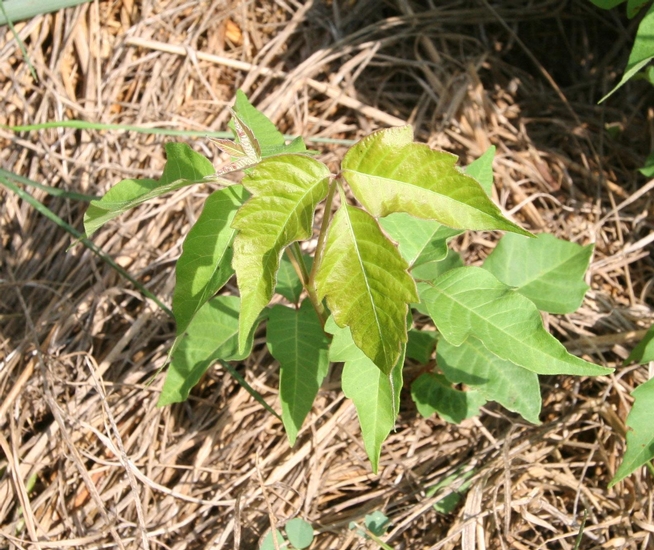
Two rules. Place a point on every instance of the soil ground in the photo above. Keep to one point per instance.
(87, 459)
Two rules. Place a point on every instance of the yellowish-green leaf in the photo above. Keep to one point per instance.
(367, 286)
(389, 173)
(285, 191)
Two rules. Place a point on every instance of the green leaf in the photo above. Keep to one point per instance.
(644, 351)
(285, 191)
(648, 74)
(548, 271)
(642, 51)
(376, 397)
(634, 6)
(299, 533)
(205, 263)
(389, 173)
(421, 345)
(447, 504)
(342, 347)
(288, 283)
(269, 544)
(296, 339)
(607, 4)
(211, 335)
(513, 387)
(424, 242)
(648, 169)
(482, 170)
(470, 301)
(431, 270)
(366, 284)
(271, 140)
(183, 167)
(419, 241)
(433, 393)
(640, 433)
(377, 523)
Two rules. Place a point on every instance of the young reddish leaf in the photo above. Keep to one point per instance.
(228, 146)
(245, 154)
(389, 173)
(246, 139)
(268, 136)
(367, 286)
(285, 191)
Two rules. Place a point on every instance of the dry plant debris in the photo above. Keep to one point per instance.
(89, 462)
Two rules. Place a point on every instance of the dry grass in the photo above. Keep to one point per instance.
(89, 462)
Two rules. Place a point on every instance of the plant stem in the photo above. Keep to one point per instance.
(309, 284)
(326, 216)
(301, 268)
(294, 254)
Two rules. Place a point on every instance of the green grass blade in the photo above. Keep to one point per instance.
(86, 125)
(53, 191)
(42, 209)
(24, 9)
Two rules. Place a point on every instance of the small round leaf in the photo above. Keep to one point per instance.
(268, 544)
(300, 533)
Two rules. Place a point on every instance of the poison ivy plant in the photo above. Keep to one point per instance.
(642, 51)
(644, 351)
(640, 437)
(640, 433)
(379, 265)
